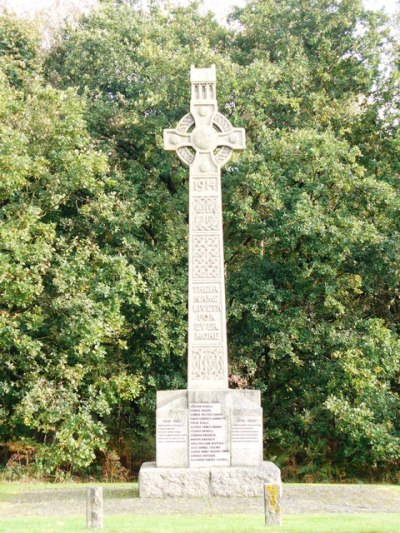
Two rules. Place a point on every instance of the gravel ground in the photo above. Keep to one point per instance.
(297, 499)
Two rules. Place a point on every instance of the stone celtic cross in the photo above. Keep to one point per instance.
(204, 140)
(207, 436)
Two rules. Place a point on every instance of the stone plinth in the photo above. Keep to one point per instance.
(209, 443)
(245, 481)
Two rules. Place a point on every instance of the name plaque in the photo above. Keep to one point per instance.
(207, 435)
(171, 430)
(246, 429)
(246, 436)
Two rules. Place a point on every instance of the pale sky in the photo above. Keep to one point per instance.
(219, 7)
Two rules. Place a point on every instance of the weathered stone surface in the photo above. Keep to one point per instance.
(94, 508)
(245, 480)
(157, 482)
(272, 504)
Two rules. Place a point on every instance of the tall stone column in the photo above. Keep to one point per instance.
(204, 139)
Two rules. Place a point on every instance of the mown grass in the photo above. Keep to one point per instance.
(9, 489)
(324, 523)
(305, 523)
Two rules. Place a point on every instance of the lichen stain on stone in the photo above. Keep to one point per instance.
(273, 497)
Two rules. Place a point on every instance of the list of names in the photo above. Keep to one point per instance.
(207, 435)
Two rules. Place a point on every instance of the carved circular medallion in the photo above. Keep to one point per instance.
(204, 138)
(233, 138)
(203, 111)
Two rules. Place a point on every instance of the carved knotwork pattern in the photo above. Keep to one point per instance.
(205, 213)
(205, 223)
(207, 362)
(222, 122)
(206, 257)
(185, 123)
(205, 204)
(223, 153)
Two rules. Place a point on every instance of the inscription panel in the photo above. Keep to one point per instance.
(206, 312)
(205, 184)
(246, 429)
(246, 436)
(207, 435)
(172, 437)
(171, 430)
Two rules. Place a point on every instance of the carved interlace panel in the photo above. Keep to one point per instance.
(207, 362)
(205, 213)
(222, 122)
(205, 223)
(205, 204)
(206, 256)
(223, 153)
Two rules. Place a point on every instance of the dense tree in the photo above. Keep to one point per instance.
(97, 322)
(319, 231)
(64, 293)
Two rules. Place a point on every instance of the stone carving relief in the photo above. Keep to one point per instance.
(205, 213)
(207, 362)
(206, 256)
(184, 153)
(205, 185)
(204, 139)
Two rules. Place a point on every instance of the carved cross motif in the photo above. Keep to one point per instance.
(204, 129)
(204, 139)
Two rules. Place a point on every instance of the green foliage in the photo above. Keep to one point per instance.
(94, 231)
(313, 228)
(19, 46)
(63, 296)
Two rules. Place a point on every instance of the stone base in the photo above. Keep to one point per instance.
(240, 481)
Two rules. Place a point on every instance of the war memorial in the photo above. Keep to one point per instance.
(209, 438)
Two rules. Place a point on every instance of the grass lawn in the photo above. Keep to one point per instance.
(304, 523)
(328, 523)
(9, 489)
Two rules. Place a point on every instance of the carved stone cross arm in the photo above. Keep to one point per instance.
(204, 139)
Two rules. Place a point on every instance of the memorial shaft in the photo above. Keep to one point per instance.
(204, 139)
